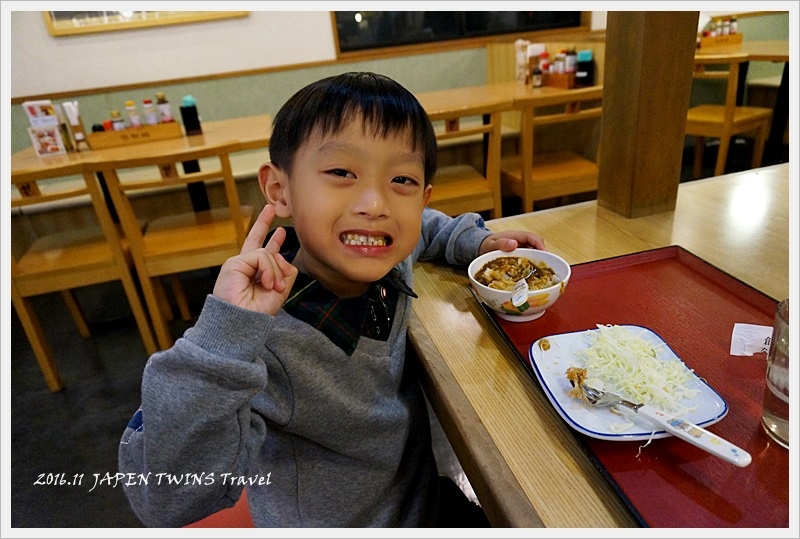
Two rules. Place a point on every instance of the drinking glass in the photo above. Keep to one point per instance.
(775, 415)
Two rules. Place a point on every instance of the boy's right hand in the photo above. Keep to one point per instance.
(259, 278)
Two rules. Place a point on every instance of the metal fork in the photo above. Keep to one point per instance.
(681, 428)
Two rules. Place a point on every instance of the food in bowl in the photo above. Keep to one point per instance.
(502, 273)
(499, 297)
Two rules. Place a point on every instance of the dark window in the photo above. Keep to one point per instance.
(360, 30)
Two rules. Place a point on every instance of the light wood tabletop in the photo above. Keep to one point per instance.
(769, 51)
(466, 101)
(498, 96)
(525, 464)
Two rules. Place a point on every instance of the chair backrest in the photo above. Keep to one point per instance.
(578, 106)
(723, 67)
(468, 176)
(83, 249)
(65, 185)
(177, 238)
(128, 178)
(563, 163)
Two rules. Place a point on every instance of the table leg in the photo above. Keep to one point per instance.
(107, 197)
(486, 119)
(197, 191)
(780, 115)
(741, 84)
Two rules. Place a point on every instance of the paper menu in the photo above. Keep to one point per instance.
(41, 113)
(47, 140)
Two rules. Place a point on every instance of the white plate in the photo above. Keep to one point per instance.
(551, 366)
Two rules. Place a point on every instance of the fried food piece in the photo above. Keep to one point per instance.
(576, 376)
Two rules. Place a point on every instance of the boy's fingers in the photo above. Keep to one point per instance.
(275, 242)
(258, 233)
(268, 272)
(286, 268)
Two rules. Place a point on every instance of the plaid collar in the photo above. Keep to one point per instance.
(344, 320)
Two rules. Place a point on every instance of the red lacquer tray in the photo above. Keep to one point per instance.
(693, 306)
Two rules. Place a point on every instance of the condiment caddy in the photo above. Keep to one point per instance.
(156, 123)
(566, 68)
(143, 133)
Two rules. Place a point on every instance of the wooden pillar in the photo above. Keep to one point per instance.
(648, 82)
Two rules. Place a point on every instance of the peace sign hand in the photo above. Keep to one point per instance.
(259, 278)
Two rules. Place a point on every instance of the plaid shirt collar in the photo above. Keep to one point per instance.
(344, 320)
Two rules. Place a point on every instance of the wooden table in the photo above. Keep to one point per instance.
(767, 51)
(524, 462)
(764, 51)
(507, 96)
(251, 132)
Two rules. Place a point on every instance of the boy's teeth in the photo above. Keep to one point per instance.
(361, 239)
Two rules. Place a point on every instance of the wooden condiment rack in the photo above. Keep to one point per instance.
(559, 80)
(716, 41)
(134, 135)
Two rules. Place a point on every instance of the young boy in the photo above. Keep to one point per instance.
(294, 380)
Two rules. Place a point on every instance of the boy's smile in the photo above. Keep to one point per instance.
(356, 200)
(365, 239)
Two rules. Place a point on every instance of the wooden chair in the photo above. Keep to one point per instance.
(237, 516)
(724, 121)
(536, 174)
(86, 253)
(468, 184)
(178, 239)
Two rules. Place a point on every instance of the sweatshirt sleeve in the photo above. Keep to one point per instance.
(195, 424)
(457, 239)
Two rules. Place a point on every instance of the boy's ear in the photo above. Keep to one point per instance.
(274, 185)
(426, 195)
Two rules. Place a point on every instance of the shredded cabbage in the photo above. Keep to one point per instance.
(621, 361)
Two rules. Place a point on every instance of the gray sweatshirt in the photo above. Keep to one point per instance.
(319, 438)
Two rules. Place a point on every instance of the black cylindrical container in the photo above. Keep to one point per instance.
(191, 124)
(584, 74)
(191, 120)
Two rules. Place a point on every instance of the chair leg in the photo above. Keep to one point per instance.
(139, 314)
(758, 145)
(150, 287)
(163, 300)
(722, 156)
(35, 333)
(76, 313)
(697, 166)
(180, 297)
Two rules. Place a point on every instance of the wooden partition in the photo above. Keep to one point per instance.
(648, 83)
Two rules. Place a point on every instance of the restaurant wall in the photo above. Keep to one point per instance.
(274, 60)
(262, 39)
(261, 93)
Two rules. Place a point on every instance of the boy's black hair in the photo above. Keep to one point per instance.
(330, 103)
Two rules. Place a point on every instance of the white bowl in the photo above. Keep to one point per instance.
(538, 300)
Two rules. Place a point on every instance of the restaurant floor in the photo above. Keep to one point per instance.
(76, 432)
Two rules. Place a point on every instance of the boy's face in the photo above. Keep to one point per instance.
(356, 203)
